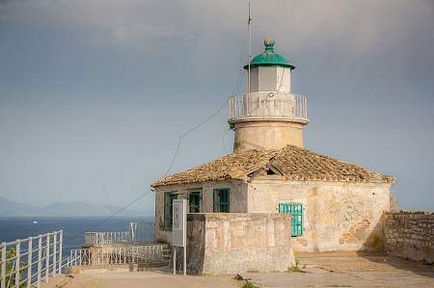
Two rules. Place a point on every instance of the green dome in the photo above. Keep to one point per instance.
(269, 57)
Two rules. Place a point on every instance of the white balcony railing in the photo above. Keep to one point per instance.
(117, 254)
(98, 238)
(257, 106)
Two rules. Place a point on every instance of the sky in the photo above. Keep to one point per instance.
(94, 94)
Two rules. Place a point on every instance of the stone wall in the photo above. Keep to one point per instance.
(410, 235)
(228, 243)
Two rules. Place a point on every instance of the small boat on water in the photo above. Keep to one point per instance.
(35, 222)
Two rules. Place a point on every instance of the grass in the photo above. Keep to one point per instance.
(296, 268)
(249, 284)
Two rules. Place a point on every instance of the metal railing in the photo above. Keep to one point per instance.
(99, 238)
(27, 262)
(268, 105)
(137, 233)
(117, 254)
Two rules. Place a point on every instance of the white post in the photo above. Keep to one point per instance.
(17, 264)
(185, 259)
(47, 257)
(39, 259)
(79, 259)
(174, 260)
(3, 272)
(60, 250)
(29, 262)
(54, 252)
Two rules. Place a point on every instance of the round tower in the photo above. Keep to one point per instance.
(269, 116)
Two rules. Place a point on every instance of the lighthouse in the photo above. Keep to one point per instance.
(270, 174)
(268, 116)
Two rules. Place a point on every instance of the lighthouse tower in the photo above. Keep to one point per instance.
(269, 116)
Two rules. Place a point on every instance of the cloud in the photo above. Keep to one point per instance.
(358, 26)
(148, 33)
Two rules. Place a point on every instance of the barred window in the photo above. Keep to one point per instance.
(297, 214)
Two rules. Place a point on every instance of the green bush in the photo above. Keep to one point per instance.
(10, 280)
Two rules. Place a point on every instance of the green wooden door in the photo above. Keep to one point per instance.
(297, 213)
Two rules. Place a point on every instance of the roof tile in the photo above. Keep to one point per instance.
(293, 162)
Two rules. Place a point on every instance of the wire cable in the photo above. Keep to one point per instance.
(178, 146)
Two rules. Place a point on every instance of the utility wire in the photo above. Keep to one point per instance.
(120, 210)
(220, 108)
(178, 146)
(165, 173)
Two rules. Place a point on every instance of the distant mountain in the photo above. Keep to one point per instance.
(10, 208)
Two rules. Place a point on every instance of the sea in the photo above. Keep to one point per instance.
(13, 228)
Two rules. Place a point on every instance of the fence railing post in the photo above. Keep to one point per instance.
(47, 257)
(60, 250)
(3, 271)
(39, 259)
(17, 263)
(29, 262)
(54, 252)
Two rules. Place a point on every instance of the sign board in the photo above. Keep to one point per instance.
(179, 224)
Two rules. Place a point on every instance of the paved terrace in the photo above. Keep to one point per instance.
(321, 270)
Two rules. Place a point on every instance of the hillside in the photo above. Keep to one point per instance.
(10, 208)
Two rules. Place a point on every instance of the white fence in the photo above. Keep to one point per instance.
(266, 105)
(98, 238)
(117, 254)
(27, 262)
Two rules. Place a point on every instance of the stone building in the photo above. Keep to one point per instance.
(334, 205)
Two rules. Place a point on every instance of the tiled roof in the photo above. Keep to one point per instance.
(292, 162)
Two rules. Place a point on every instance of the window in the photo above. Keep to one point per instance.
(297, 212)
(168, 212)
(221, 200)
(194, 202)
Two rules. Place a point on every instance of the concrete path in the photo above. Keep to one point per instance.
(349, 270)
(319, 270)
(151, 279)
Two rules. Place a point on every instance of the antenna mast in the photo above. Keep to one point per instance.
(249, 24)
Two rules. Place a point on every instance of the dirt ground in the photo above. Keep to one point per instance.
(315, 270)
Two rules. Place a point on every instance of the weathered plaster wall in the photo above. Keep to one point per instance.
(267, 135)
(410, 235)
(237, 198)
(338, 216)
(228, 243)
